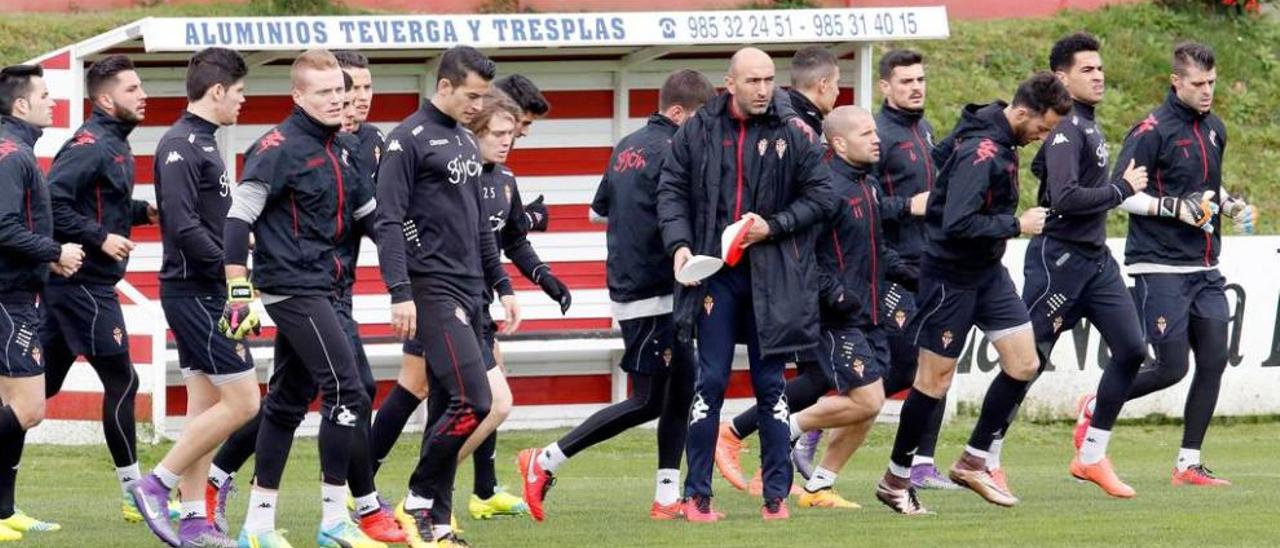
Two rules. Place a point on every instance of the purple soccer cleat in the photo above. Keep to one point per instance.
(805, 450)
(152, 499)
(926, 476)
(199, 533)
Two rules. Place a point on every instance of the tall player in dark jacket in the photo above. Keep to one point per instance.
(658, 365)
(1069, 272)
(969, 218)
(771, 172)
(193, 195)
(1181, 299)
(29, 252)
(815, 87)
(906, 172)
(439, 256)
(293, 196)
(91, 187)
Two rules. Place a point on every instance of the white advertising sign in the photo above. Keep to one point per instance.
(1249, 386)
(543, 30)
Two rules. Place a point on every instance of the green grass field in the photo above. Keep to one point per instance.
(603, 497)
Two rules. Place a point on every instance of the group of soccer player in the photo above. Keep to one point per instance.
(872, 251)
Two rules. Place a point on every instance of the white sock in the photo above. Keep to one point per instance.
(1187, 458)
(921, 459)
(993, 454)
(218, 476)
(262, 512)
(169, 479)
(439, 531)
(793, 422)
(333, 503)
(668, 490)
(1094, 447)
(367, 504)
(977, 452)
(192, 509)
(128, 475)
(903, 472)
(551, 457)
(821, 479)
(414, 502)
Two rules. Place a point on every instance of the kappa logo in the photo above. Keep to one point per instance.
(118, 335)
(808, 131)
(394, 146)
(172, 157)
(345, 416)
(1161, 325)
(986, 150)
(1146, 125)
(947, 338)
(461, 314)
(270, 140)
(437, 142)
(762, 146)
(780, 410)
(7, 147)
(708, 303)
(698, 411)
(1059, 139)
(85, 137)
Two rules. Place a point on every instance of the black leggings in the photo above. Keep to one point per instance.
(665, 396)
(119, 390)
(1208, 339)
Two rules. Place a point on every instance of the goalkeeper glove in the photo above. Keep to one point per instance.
(238, 316)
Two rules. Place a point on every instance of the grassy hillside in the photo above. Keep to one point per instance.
(981, 61)
(985, 60)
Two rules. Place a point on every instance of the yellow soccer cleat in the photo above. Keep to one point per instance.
(825, 498)
(9, 535)
(23, 523)
(270, 539)
(501, 503)
(417, 527)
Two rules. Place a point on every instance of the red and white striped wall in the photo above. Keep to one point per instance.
(593, 105)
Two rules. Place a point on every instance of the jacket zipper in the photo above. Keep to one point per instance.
(31, 221)
(293, 206)
(1204, 161)
(742, 137)
(337, 172)
(871, 236)
(928, 167)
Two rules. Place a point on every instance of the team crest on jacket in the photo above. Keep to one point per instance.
(900, 317)
(1057, 324)
(1161, 324)
(947, 338)
(118, 335)
(761, 146)
(35, 354)
(780, 146)
(708, 303)
(461, 315)
(666, 357)
(858, 366)
(242, 351)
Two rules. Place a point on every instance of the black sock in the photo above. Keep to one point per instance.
(929, 441)
(1004, 395)
(389, 423)
(912, 422)
(12, 441)
(486, 470)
